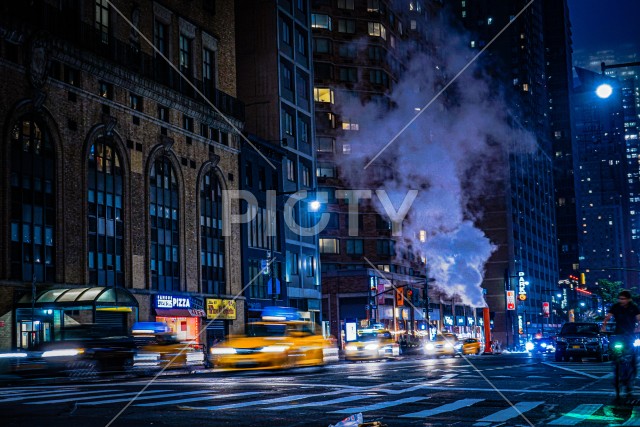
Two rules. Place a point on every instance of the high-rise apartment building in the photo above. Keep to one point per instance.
(520, 217)
(274, 75)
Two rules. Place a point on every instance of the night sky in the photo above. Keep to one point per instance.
(605, 24)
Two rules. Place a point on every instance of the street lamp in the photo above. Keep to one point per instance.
(604, 91)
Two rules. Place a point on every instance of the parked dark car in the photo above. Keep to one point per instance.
(82, 351)
(581, 339)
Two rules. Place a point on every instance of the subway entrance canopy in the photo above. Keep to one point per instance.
(97, 298)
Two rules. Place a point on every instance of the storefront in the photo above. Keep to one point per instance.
(46, 317)
(183, 314)
(219, 313)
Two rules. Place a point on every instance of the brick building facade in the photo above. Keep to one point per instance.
(95, 128)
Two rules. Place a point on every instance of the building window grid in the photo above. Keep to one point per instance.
(105, 216)
(164, 215)
(185, 54)
(32, 204)
(212, 242)
(102, 20)
(160, 31)
(208, 72)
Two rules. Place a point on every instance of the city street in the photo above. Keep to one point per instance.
(411, 391)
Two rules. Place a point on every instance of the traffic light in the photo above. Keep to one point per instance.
(409, 294)
(399, 297)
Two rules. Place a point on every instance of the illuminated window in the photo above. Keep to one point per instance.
(525, 87)
(347, 125)
(423, 236)
(329, 246)
(346, 148)
(320, 21)
(373, 6)
(323, 94)
(376, 29)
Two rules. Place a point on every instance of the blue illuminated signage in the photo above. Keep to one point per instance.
(171, 301)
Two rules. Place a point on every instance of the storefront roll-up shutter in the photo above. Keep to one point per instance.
(116, 321)
(216, 331)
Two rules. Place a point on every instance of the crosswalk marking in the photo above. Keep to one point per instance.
(506, 414)
(53, 394)
(381, 405)
(577, 415)
(75, 399)
(463, 403)
(268, 401)
(107, 401)
(200, 398)
(325, 403)
(634, 419)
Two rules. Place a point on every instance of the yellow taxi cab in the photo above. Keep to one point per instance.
(372, 344)
(443, 345)
(468, 346)
(158, 348)
(277, 343)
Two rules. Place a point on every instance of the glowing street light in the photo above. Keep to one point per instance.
(604, 91)
(314, 205)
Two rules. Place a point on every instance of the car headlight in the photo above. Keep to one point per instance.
(529, 346)
(351, 348)
(222, 350)
(61, 353)
(429, 346)
(560, 339)
(543, 345)
(551, 348)
(371, 347)
(274, 349)
(636, 343)
(448, 345)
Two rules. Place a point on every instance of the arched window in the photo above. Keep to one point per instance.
(105, 216)
(32, 203)
(211, 238)
(165, 231)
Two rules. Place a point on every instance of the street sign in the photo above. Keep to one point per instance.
(264, 266)
(511, 300)
(545, 309)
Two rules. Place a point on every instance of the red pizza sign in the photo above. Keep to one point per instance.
(511, 300)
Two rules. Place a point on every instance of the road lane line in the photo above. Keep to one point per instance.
(463, 403)
(104, 402)
(200, 398)
(54, 394)
(266, 401)
(515, 390)
(325, 403)
(75, 399)
(506, 414)
(571, 370)
(578, 415)
(383, 405)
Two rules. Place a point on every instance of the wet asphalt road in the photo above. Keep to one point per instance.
(504, 390)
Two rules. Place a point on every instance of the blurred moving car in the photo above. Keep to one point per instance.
(581, 339)
(158, 348)
(468, 346)
(83, 351)
(443, 345)
(542, 345)
(272, 345)
(372, 344)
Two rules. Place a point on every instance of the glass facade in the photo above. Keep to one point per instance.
(105, 216)
(32, 203)
(212, 244)
(164, 216)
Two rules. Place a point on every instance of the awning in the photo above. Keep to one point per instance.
(72, 298)
(180, 312)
